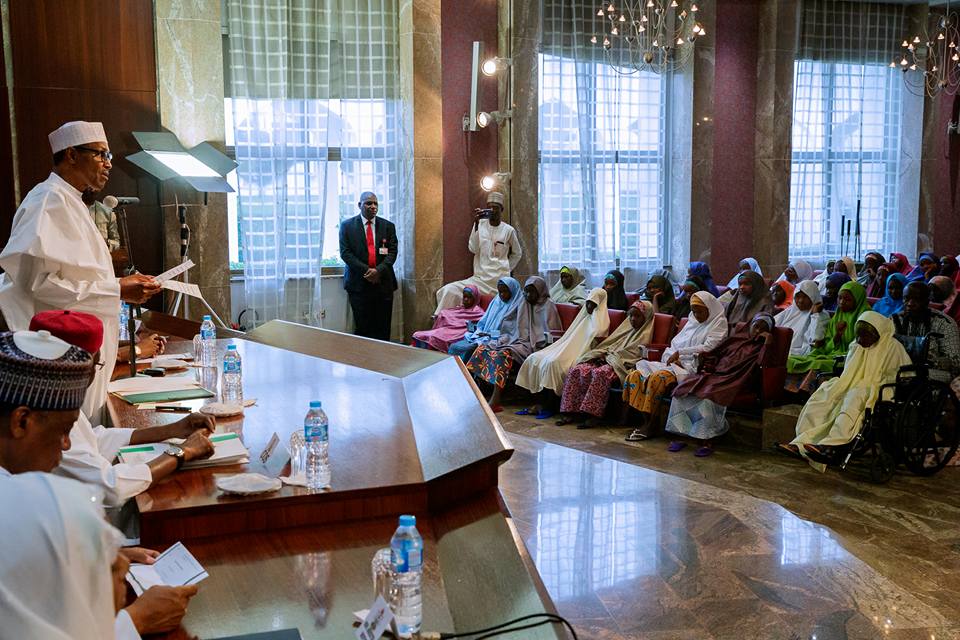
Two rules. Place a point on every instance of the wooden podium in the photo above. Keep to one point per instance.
(409, 433)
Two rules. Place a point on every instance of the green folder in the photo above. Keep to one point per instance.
(166, 396)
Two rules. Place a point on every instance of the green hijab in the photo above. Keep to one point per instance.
(821, 358)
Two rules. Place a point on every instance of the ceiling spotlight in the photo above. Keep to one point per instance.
(484, 119)
(492, 66)
(494, 180)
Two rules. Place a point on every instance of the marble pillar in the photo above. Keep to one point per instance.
(701, 151)
(190, 80)
(421, 231)
(776, 51)
(519, 136)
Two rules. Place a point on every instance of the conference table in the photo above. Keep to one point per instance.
(409, 433)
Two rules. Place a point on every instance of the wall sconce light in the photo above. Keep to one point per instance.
(484, 119)
(492, 66)
(494, 180)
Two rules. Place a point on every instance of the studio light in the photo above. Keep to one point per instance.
(484, 119)
(492, 66)
(494, 180)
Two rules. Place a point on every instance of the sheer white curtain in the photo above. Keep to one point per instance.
(313, 90)
(603, 152)
(848, 123)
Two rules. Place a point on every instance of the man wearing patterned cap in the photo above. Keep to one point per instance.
(93, 448)
(55, 257)
(43, 381)
(496, 253)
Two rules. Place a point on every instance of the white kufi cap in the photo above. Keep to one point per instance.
(495, 197)
(76, 133)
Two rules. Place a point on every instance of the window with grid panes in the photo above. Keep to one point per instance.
(602, 159)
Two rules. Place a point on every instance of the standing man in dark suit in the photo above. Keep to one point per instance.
(368, 247)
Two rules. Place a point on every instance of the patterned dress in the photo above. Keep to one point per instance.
(491, 365)
(587, 388)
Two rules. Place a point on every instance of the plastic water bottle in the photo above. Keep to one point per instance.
(317, 442)
(124, 316)
(406, 552)
(208, 343)
(232, 387)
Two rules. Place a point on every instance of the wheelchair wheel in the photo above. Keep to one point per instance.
(927, 428)
(882, 468)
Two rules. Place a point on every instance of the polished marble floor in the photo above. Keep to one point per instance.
(634, 542)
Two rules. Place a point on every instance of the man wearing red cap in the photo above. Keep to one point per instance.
(92, 449)
(55, 257)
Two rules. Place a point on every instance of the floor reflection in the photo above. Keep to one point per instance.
(628, 552)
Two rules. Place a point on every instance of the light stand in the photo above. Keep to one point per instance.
(184, 250)
(121, 212)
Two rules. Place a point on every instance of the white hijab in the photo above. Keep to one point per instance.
(546, 369)
(695, 338)
(803, 269)
(55, 580)
(801, 321)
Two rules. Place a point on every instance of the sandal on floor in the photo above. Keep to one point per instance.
(544, 414)
(789, 449)
(703, 452)
(523, 412)
(637, 435)
(675, 446)
(496, 408)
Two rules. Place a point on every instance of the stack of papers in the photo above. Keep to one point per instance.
(175, 567)
(147, 389)
(227, 449)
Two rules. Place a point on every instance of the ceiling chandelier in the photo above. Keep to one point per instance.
(930, 60)
(647, 35)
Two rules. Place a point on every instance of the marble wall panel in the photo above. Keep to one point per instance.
(190, 79)
(701, 171)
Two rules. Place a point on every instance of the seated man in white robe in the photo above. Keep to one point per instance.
(57, 259)
(43, 382)
(496, 253)
(93, 448)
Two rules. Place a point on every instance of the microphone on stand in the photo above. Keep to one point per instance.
(111, 202)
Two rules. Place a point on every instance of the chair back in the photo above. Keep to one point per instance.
(567, 314)
(485, 300)
(616, 317)
(632, 297)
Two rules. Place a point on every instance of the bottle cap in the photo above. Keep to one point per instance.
(408, 521)
(315, 404)
(206, 317)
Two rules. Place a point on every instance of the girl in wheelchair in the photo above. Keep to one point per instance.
(834, 414)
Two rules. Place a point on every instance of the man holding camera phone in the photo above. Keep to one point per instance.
(496, 253)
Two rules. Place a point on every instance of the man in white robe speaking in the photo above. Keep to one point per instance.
(496, 253)
(56, 257)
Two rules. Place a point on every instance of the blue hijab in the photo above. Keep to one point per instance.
(886, 305)
(498, 310)
(919, 274)
(702, 271)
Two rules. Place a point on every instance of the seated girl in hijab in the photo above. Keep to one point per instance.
(587, 387)
(821, 279)
(871, 264)
(950, 268)
(839, 335)
(546, 369)
(902, 264)
(701, 270)
(834, 414)
(681, 307)
(750, 298)
(796, 272)
(806, 318)
(747, 264)
(616, 295)
(892, 301)
(493, 322)
(700, 401)
(928, 266)
(846, 265)
(781, 293)
(569, 288)
(648, 388)
(659, 293)
(878, 286)
(832, 289)
(451, 324)
(536, 316)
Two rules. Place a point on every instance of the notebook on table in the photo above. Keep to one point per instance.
(227, 449)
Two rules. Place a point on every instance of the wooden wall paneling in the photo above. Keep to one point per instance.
(7, 200)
